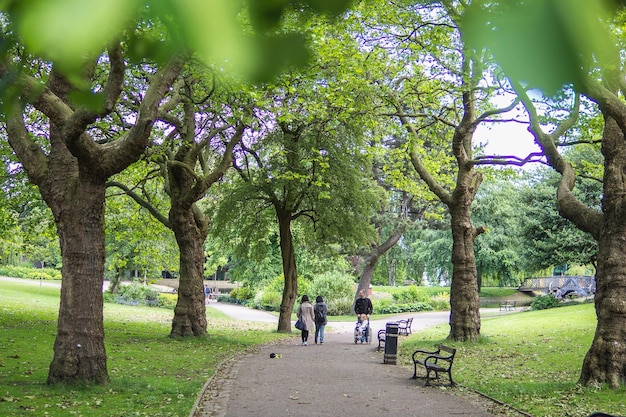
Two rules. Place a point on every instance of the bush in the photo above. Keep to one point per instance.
(386, 306)
(268, 300)
(134, 294)
(411, 294)
(167, 301)
(337, 289)
(441, 301)
(339, 306)
(242, 293)
(543, 302)
(30, 273)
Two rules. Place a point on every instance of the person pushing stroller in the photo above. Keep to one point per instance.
(363, 309)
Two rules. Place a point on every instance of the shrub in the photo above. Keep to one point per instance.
(268, 300)
(339, 306)
(389, 307)
(441, 301)
(337, 289)
(167, 301)
(29, 273)
(242, 293)
(543, 302)
(411, 294)
(134, 294)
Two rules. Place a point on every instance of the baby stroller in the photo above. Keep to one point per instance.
(362, 331)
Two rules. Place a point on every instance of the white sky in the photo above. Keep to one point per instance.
(506, 139)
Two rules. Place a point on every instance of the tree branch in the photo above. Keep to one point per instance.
(585, 218)
(141, 201)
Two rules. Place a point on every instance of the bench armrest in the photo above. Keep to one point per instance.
(424, 352)
(435, 358)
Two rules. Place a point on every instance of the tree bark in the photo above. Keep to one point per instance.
(464, 300)
(372, 259)
(290, 291)
(190, 311)
(79, 352)
(605, 362)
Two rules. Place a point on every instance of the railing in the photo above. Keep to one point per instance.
(549, 284)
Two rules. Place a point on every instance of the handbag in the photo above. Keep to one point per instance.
(299, 325)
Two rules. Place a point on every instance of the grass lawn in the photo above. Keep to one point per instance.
(151, 374)
(530, 360)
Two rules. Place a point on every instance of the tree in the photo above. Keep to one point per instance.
(547, 238)
(72, 85)
(304, 174)
(135, 241)
(572, 66)
(440, 94)
(70, 167)
(498, 252)
(204, 128)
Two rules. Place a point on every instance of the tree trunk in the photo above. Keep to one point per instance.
(190, 312)
(79, 353)
(365, 280)
(290, 291)
(605, 362)
(71, 173)
(464, 301)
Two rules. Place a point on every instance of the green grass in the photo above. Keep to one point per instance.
(530, 360)
(497, 292)
(151, 374)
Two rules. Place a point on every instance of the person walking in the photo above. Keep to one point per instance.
(307, 317)
(207, 294)
(320, 309)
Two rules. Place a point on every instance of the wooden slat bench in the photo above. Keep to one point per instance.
(507, 305)
(404, 326)
(437, 361)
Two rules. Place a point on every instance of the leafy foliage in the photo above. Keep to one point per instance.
(497, 251)
(547, 238)
(30, 273)
(543, 302)
(134, 294)
(412, 293)
(559, 40)
(244, 36)
(389, 307)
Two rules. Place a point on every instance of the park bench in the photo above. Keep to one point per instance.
(507, 305)
(437, 361)
(404, 326)
(382, 338)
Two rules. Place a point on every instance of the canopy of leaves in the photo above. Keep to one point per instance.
(559, 40)
(220, 32)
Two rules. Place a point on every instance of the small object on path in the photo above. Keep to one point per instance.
(275, 355)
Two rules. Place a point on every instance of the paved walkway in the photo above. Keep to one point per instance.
(338, 377)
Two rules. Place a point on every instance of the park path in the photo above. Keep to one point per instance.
(327, 380)
(335, 378)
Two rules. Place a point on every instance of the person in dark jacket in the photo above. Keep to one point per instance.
(320, 309)
(363, 305)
